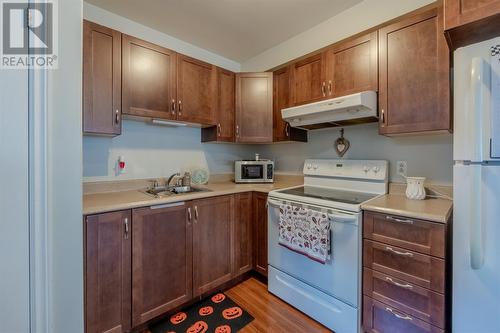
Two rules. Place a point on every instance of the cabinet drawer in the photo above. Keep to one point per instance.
(416, 268)
(380, 318)
(409, 298)
(412, 234)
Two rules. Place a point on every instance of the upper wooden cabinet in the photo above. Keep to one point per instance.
(162, 262)
(149, 79)
(254, 107)
(308, 80)
(282, 131)
(196, 88)
(352, 66)
(414, 83)
(471, 21)
(107, 272)
(101, 80)
(225, 110)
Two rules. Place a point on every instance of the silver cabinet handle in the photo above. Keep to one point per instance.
(190, 216)
(382, 116)
(125, 222)
(407, 286)
(237, 130)
(287, 133)
(117, 116)
(405, 254)
(196, 214)
(180, 107)
(407, 221)
(173, 106)
(398, 315)
(219, 130)
(323, 89)
(330, 85)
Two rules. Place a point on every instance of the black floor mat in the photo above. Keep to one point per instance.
(215, 314)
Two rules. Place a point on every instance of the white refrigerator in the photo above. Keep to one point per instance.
(476, 181)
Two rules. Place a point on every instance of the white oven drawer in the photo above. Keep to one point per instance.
(329, 311)
(340, 276)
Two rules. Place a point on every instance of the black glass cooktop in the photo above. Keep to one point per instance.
(347, 197)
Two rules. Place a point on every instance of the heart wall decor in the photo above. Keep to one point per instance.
(342, 145)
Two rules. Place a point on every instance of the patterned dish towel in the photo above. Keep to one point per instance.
(305, 231)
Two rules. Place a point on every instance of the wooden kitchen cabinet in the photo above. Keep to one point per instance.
(149, 79)
(212, 243)
(260, 233)
(308, 80)
(471, 21)
(162, 260)
(254, 107)
(243, 233)
(225, 110)
(414, 75)
(107, 272)
(196, 89)
(352, 66)
(101, 80)
(282, 131)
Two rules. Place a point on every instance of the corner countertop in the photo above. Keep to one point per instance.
(430, 209)
(95, 203)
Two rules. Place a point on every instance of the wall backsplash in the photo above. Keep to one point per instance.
(429, 156)
(156, 151)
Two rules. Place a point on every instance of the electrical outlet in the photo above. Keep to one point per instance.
(402, 167)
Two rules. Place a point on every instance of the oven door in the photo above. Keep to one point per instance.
(340, 276)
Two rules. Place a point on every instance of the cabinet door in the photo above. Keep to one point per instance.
(414, 75)
(242, 226)
(461, 12)
(260, 233)
(352, 66)
(149, 88)
(107, 272)
(254, 107)
(101, 80)
(161, 260)
(281, 100)
(212, 243)
(309, 80)
(224, 113)
(196, 88)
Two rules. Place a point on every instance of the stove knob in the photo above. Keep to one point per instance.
(308, 166)
(315, 167)
(366, 168)
(376, 169)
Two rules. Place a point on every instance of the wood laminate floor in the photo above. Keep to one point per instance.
(271, 314)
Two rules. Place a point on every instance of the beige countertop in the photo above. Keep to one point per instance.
(94, 203)
(431, 209)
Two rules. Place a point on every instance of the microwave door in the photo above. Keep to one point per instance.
(252, 171)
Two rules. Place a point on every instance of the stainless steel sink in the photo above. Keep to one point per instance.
(162, 191)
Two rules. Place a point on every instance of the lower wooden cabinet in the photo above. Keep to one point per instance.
(260, 233)
(242, 229)
(107, 272)
(162, 260)
(212, 251)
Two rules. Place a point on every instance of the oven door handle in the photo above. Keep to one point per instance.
(334, 216)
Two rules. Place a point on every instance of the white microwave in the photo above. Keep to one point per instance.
(261, 171)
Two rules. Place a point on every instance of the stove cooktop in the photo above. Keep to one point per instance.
(336, 195)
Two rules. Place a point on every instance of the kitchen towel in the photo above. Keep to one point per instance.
(305, 231)
(495, 101)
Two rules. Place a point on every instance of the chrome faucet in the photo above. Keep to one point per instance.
(167, 183)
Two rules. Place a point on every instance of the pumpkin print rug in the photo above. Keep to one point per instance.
(215, 314)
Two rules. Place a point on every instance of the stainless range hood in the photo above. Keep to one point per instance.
(341, 111)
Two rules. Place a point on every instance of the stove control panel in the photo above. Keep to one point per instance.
(377, 170)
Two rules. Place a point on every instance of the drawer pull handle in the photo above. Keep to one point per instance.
(398, 315)
(406, 254)
(407, 286)
(390, 218)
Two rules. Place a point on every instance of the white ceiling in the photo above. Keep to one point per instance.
(235, 29)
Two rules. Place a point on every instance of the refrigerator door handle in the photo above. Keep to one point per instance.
(476, 113)
(476, 220)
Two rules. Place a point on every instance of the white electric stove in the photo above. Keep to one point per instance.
(330, 293)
